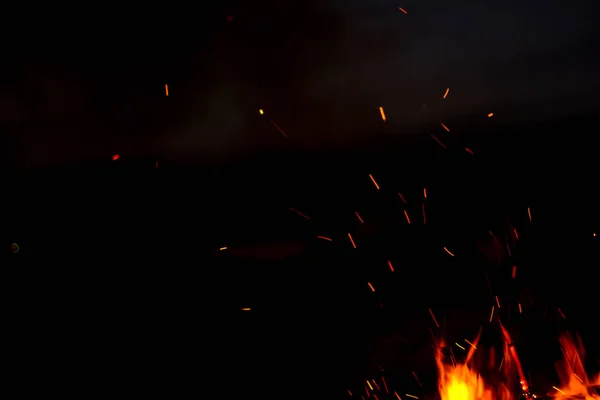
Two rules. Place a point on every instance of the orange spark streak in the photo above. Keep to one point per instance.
(446, 94)
(167, 90)
(351, 240)
(325, 238)
(497, 302)
(406, 215)
(449, 252)
(424, 193)
(490, 115)
(402, 197)
(514, 272)
(359, 218)
(492, 314)
(374, 181)
(468, 150)
(417, 378)
(445, 127)
(529, 214)
(246, 309)
(438, 140)
(402, 9)
(278, 128)
(373, 290)
(391, 266)
(382, 114)
(434, 319)
(299, 213)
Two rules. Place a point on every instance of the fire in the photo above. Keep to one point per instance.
(574, 381)
(462, 381)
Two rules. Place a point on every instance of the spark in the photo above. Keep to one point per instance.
(325, 238)
(373, 290)
(374, 181)
(433, 317)
(417, 378)
(351, 240)
(260, 110)
(382, 114)
(402, 197)
(460, 346)
(438, 140)
(446, 93)
(558, 390)
(514, 272)
(246, 309)
(449, 252)
(403, 10)
(424, 193)
(492, 314)
(410, 395)
(406, 215)
(468, 150)
(116, 157)
(278, 128)
(359, 218)
(223, 248)
(166, 90)
(391, 266)
(490, 115)
(445, 127)
(299, 213)
(384, 384)
(529, 214)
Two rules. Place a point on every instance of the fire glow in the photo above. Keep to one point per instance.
(485, 375)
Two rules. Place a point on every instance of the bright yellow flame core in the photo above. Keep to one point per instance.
(462, 383)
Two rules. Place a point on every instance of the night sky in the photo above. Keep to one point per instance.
(120, 277)
(92, 86)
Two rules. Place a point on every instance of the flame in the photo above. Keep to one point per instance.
(574, 381)
(461, 381)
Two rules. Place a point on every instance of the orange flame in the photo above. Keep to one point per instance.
(461, 381)
(574, 381)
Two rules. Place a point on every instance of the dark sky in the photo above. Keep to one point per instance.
(90, 83)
